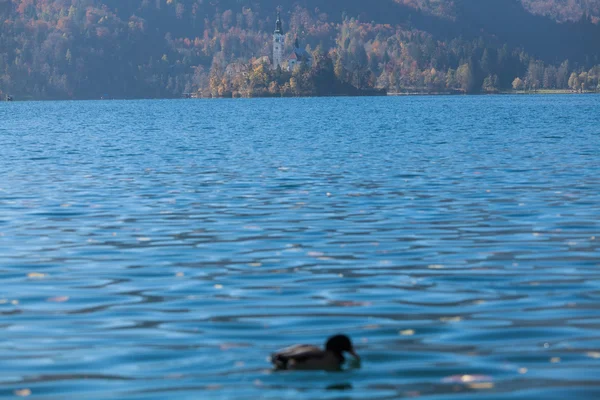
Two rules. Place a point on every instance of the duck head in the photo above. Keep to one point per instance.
(339, 344)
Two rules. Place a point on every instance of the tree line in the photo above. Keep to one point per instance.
(372, 56)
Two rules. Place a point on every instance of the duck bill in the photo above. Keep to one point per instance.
(353, 353)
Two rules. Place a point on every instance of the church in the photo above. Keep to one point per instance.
(297, 56)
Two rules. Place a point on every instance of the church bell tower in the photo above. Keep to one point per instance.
(278, 44)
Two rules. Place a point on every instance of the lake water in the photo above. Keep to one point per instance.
(163, 249)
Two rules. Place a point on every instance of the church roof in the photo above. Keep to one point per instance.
(299, 54)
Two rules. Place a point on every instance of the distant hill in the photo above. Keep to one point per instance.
(565, 10)
(165, 48)
(559, 10)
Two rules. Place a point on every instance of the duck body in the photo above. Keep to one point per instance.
(308, 357)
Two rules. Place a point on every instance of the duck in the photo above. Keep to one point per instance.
(308, 357)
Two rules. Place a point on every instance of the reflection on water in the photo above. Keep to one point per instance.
(153, 249)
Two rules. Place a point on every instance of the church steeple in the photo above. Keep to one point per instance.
(279, 29)
(278, 43)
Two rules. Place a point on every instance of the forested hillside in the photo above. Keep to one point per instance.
(565, 10)
(164, 48)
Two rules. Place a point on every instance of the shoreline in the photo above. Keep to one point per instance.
(389, 94)
(501, 92)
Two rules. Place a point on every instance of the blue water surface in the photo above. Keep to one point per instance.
(163, 249)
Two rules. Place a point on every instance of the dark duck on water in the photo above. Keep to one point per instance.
(307, 357)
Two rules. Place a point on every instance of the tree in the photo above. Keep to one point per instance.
(274, 88)
(486, 62)
(396, 79)
(574, 82)
(340, 71)
(535, 75)
(583, 80)
(383, 81)
(464, 77)
(323, 74)
(294, 85)
(518, 84)
(550, 75)
(490, 84)
(451, 79)
(562, 75)
(215, 79)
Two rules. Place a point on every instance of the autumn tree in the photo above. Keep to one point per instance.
(464, 77)
(518, 84)
(490, 84)
(574, 82)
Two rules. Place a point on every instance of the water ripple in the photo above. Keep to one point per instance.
(151, 249)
